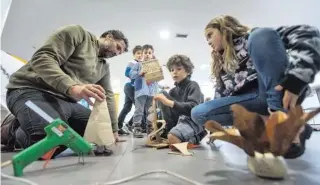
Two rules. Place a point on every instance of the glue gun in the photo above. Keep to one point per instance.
(58, 133)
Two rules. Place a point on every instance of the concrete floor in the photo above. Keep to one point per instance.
(222, 164)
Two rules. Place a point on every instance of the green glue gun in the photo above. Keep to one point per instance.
(58, 133)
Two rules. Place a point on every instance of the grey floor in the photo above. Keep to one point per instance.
(222, 164)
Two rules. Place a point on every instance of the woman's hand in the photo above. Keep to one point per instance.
(289, 99)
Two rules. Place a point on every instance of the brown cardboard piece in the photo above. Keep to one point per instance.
(274, 136)
(153, 71)
(180, 149)
(99, 129)
(265, 142)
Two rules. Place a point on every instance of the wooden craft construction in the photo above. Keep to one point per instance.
(154, 139)
(153, 71)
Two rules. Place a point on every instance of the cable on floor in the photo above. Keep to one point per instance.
(120, 181)
(19, 179)
(130, 178)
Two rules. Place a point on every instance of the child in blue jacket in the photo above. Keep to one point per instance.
(144, 91)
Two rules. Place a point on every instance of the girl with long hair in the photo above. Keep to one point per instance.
(262, 69)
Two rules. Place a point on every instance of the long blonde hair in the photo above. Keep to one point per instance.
(229, 28)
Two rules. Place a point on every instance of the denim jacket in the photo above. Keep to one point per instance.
(140, 84)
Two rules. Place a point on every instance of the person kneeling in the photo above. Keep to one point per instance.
(176, 106)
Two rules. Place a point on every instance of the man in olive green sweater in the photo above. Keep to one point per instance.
(69, 66)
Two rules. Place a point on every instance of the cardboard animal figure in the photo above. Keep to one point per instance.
(99, 129)
(154, 139)
(264, 142)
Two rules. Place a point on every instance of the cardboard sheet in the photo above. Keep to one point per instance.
(99, 129)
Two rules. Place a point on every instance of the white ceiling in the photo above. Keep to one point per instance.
(30, 22)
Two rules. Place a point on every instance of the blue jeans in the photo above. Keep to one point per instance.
(31, 129)
(128, 102)
(270, 60)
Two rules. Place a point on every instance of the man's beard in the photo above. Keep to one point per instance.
(109, 54)
(106, 53)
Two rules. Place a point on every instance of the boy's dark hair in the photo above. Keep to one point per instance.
(117, 35)
(147, 46)
(136, 49)
(181, 60)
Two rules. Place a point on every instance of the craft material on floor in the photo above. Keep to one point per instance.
(99, 129)
(265, 143)
(154, 138)
(221, 163)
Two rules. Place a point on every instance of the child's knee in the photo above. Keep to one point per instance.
(173, 139)
(197, 114)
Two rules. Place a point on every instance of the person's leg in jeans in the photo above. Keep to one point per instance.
(33, 124)
(140, 103)
(144, 122)
(186, 130)
(169, 115)
(219, 109)
(128, 89)
(146, 114)
(131, 95)
(269, 56)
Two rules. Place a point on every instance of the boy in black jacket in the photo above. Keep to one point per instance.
(176, 106)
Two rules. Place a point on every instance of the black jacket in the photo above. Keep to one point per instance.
(186, 95)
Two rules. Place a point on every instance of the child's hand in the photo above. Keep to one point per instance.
(160, 97)
(163, 99)
(142, 73)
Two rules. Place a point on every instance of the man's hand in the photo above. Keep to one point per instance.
(87, 91)
(289, 99)
(163, 99)
(117, 138)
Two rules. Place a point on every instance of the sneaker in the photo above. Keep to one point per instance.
(144, 131)
(137, 132)
(296, 150)
(102, 151)
(122, 132)
(129, 128)
(203, 134)
(8, 128)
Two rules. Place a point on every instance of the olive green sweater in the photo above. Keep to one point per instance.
(68, 57)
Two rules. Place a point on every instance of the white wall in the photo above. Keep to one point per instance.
(9, 65)
(5, 6)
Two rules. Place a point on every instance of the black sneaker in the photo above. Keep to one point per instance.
(122, 132)
(102, 151)
(105, 152)
(203, 134)
(296, 150)
(130, 128)
(144, 130)
(137, 132)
